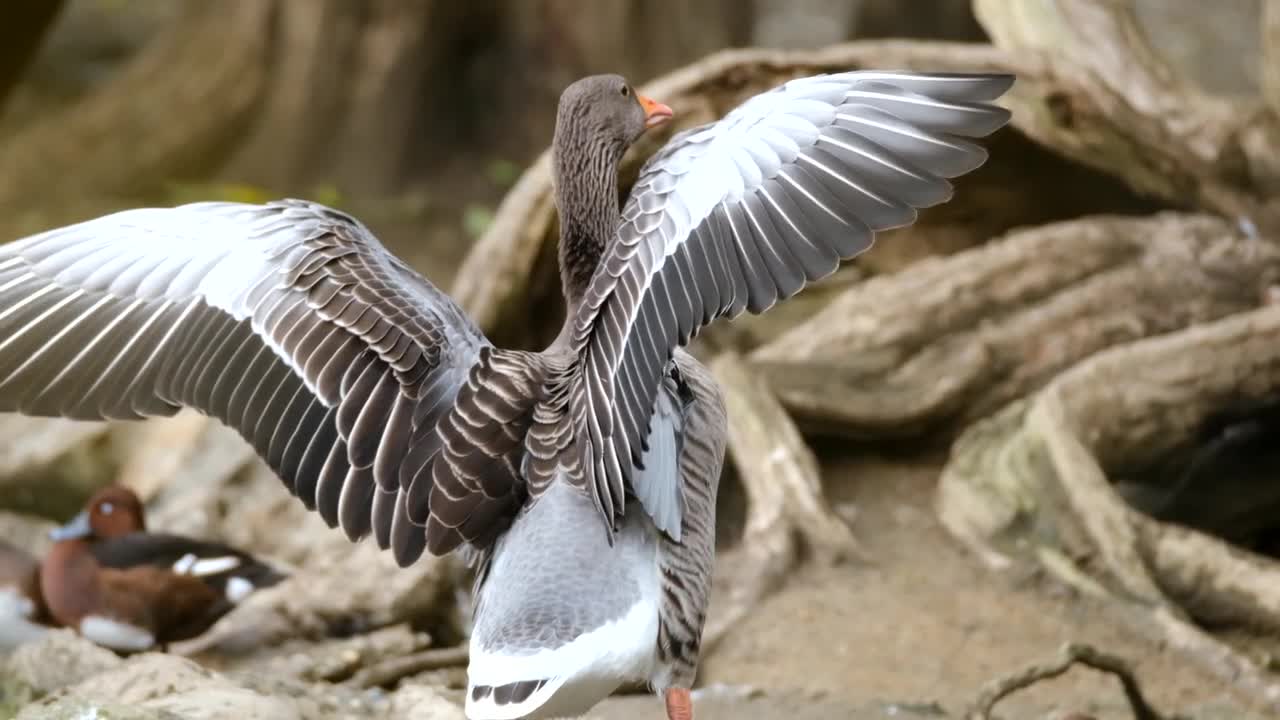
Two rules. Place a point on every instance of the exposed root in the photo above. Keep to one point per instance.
(785, 502)
(952, 339)
(390, 671)
(1034, 478)
(1105, 97)
(1069, 656)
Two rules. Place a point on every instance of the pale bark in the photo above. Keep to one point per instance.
(1102, 96)
(1270, 73)
(786, 509)
(949, 340)
(1034, 481)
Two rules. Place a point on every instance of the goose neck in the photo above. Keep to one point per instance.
(586, 193)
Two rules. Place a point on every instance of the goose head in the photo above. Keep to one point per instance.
(603, 112)
(598, 119)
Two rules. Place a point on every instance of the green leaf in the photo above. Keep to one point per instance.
(327, 194)
(476, 219)
(503, 172)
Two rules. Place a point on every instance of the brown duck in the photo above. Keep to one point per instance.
(131, 590)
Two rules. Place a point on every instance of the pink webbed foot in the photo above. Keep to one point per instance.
(679, 704)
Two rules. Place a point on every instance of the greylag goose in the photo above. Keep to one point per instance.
(582, 478)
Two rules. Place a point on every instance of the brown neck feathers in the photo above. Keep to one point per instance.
(586, 189)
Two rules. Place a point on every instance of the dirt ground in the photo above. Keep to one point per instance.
(921, 631)
(913, 636)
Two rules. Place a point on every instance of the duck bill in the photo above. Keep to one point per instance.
(75, 529)
(655, 113)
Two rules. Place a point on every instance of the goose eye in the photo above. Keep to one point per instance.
(625, 90)
(106, 508)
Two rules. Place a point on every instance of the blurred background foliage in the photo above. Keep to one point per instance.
(417, 114)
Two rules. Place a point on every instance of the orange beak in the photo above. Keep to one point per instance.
(655, 113)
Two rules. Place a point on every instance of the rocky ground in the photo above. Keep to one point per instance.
(914, 634)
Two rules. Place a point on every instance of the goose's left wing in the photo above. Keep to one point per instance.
(742, 213)
(288, 321)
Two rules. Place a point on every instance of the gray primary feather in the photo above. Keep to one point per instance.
(657, 481)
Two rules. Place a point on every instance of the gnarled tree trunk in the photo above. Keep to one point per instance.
(124, 139)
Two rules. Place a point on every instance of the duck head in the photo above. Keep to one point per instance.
(112, 512)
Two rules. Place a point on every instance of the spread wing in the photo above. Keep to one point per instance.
(742, 213)
(289, 322)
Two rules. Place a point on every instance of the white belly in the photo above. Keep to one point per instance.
(562, 607)
(584, 672)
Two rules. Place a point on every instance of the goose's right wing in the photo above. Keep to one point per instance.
(288, 321)
(742, 213)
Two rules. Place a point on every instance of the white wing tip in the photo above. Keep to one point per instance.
(190, 564)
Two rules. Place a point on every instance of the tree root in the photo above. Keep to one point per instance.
(952, 339)
(1031, 481)
(780, 477)
(1271, 55)
(1069, 656)
(393, 670)
(1102, 95)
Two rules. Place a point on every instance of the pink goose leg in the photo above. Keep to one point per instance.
(679, 704)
